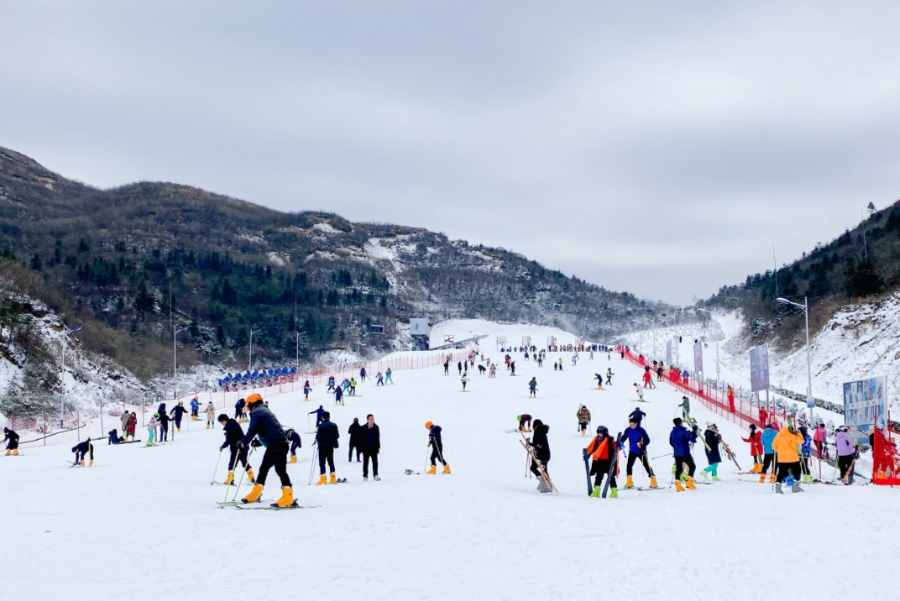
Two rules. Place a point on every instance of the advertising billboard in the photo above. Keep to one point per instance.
(759, 368)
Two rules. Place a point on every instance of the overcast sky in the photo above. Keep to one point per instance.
(659, 148)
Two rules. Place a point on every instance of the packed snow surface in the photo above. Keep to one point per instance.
(144, 521)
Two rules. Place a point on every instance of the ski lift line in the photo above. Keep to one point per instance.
(458, 344)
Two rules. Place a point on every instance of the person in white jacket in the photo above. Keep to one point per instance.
(151, 429)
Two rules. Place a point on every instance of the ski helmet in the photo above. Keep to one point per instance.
(428, 425)
(602, 430)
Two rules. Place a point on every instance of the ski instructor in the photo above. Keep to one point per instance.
(265, 425)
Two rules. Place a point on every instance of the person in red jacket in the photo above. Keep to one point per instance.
(731, 399)
(756, 448)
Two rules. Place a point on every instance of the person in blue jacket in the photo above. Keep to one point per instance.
(234, 434)
(767, 437)
(195, 409)
(387, 375)
(293, 437)
(239, 409)
(318, 413)
(681, 438)
(805, 451)
(265, 425)
(330, 383)
(637, 439)
(327, 435)
(713, 456)
(637, 416)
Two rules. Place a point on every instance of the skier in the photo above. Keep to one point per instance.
(609, 375)
(584, 418)
(239, 409)
(512, 367)
(638, 439)
(464, 379)
(786, 444)
(114, 437)
(379, 379)
(437, 448)
(306, 390)
(210, 415)
(685, 408)
(713, 456)
(806, 452)
(330, 384)
(459, 368)
(599, 379)
(446, 368)
(179, 412)
(845, 453)
(126, 417)
(387, 377)
(353, 432)
(352, 387)
(327, 435)
(320, 413)
(766, 438)
(338, 396)
(756, 449)
(151, 429)
(820, 437)
(640, 393)
(370, 441)
(265, 425)
(163, 418)
(680, 439)
(12, 441)
(362, 375)
(541, 446)
(234, 434)
(195, 409)
(637, 416)
(293, 437)
(82, 450)
(524, 419)
(532, 388)
(493, 373)
(648, 380)
(603, 451)
(345, 385)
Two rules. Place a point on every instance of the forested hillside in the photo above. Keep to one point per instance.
(134, 262)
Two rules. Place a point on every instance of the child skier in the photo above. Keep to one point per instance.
(234, 434)
(609, 375)
(265, 425)
(599, 379)
(766, 438)
(330, 384)
(12, 441)
(151, 429)
(524, 419)
(82, 450)
(756, 448)
(464, 379)
(532, 388)
(680, 439)
(306, 390)
(387, 376)
(195, 409)
(603, 451)
(584, 418)
(379, 379)
(437, 448)
(713, 456)
(640, 393)
(293, 437)
(327, 435)
(637, 439)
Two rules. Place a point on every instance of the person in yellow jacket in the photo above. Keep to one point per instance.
(787, 452)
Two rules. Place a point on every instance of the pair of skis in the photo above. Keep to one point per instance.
(540, 466)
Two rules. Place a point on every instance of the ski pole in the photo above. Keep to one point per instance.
(659, 456)
(241, 481)
(216, 471)
(312, 465)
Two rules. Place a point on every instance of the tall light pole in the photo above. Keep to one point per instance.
(810, 403)
(175, 333)
(250, 362)
(62, 402)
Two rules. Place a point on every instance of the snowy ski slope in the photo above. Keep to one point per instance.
(144, 521)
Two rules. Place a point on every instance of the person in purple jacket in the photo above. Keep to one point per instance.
(846, 451)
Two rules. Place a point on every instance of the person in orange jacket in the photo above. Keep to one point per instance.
(603, 451)
(756, 448)
(787, 448)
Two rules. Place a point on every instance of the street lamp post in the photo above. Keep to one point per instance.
(62, 402)
(250, 362)
(175, 333)
(809, 399)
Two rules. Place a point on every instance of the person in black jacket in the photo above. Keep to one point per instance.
(327, 435)
(12, 441)
(179, 412)
(541, 445)
(239, 409)
(163, 423)
(370, 442)
(265, 425)
(353, 431)
(234, 434)
(437, 448)
(293, 437)
(82, 450)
